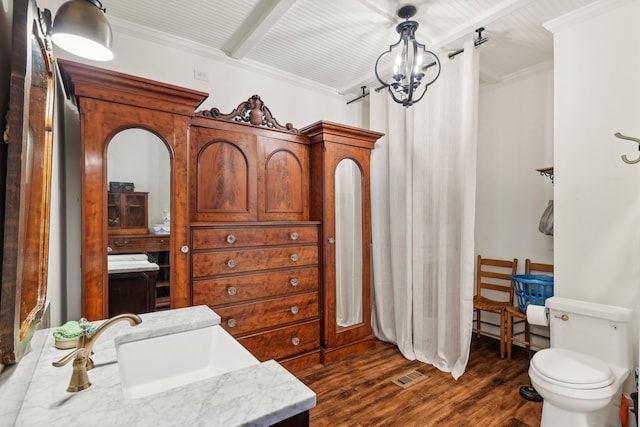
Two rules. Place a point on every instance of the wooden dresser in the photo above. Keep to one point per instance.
(263, 280)
(255, 255)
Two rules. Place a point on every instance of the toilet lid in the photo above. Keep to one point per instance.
(571, 369)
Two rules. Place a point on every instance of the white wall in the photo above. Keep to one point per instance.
(515, 136)
(598, 196)
(597, 76)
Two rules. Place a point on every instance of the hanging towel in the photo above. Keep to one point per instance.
(546, 222)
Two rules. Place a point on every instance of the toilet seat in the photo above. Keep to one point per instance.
(572, 370)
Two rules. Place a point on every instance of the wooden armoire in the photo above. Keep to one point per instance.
(258, 209)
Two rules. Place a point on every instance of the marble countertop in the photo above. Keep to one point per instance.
(257, 395)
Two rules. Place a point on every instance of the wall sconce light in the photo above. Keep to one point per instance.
(407, 68)
(81, 27)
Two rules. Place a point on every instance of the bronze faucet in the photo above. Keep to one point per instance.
(82, 361)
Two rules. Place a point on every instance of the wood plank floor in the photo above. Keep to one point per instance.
(359, 391)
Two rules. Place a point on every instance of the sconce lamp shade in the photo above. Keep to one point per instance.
(80, 27)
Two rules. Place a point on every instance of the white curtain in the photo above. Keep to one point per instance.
(423, 179)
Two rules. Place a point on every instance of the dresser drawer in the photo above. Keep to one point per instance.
(244, 318)
(283, 342)
(235, 289)
(229, 262)
(229, 238)
(137, 244)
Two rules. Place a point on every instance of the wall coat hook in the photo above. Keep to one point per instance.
(624, 156)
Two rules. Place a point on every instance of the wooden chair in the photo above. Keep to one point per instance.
(494, 293)
(514, 312)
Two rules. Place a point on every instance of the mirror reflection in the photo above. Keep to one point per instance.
(348, 214)
(138, 222)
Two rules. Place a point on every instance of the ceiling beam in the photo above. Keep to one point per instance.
(264, 16)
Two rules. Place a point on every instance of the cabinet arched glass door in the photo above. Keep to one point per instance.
(348, 245)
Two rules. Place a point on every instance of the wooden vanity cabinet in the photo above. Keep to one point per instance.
(158, 249)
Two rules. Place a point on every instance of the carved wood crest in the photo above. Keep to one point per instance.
(252, 111)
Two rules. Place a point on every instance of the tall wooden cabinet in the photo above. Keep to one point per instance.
(255, 253)
(346, 279)
(255, 232)
(109, 102)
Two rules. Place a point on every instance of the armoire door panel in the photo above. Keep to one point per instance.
(283, 180)
(224, 167)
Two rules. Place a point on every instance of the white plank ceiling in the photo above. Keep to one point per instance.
(336, 42)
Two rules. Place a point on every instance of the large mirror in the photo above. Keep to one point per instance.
(138, 216)
(348, 214)
(28, 182)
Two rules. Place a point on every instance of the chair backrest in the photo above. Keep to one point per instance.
(536, 267)
(494, 275)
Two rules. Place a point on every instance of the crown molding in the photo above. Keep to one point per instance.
(151, 35)
(583, 14)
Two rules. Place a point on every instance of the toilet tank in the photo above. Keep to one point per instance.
(595, 329)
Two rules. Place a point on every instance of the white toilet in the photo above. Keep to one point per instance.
(581, 375)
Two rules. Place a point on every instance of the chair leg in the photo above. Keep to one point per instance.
(509, 334)
(478, 323)
(502, 331)
(527, 335)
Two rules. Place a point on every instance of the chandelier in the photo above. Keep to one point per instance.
(407, 69)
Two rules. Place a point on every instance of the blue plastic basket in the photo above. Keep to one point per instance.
(532, 289)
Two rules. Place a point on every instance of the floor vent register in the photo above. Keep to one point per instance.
(409, 379)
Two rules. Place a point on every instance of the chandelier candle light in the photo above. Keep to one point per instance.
(407, 69)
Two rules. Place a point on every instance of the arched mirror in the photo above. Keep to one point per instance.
(348, 215)
(138, 222)
(28, 182)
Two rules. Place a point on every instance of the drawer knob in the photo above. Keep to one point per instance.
(295, 257)
(161, 240)
(293, 282)
(294, 309)
(184, 249)
(295, 341)
(109, 249)
(232, 291)
(294, 236)
(232, 323)
(231, 238)
(331, 240)
(231, 263)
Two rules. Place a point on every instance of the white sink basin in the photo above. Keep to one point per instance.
(153, 365)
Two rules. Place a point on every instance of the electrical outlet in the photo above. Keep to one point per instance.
(201, 75)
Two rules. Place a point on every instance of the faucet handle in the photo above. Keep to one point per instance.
(67, 358)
